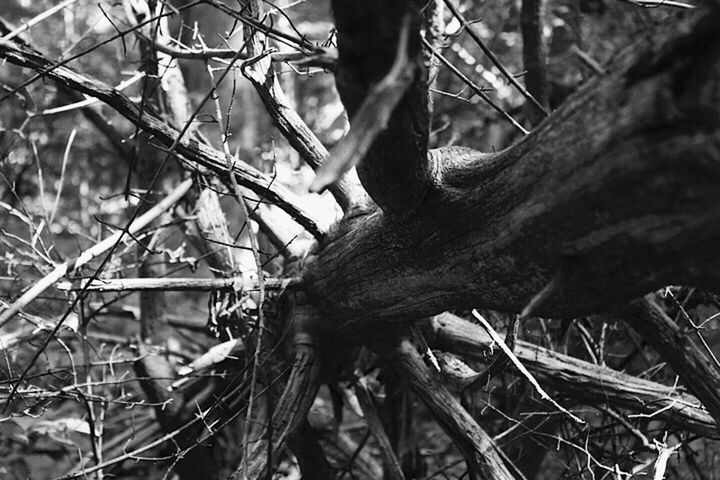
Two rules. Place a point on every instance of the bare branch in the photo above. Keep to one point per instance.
(694, 362)
(194, 151)
(394, 168)
(581, 380)
(93, 252)
(521, 368)
(533, 99)
(481, 454)
(174, 284)
(327, 59)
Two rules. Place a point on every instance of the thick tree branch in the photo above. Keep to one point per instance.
(694, 362)
(326, 58)
(615, 194)
(394, 170)
(480, 452)
(296, 399)
(531, 25)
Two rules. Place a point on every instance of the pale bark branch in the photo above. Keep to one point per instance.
(190, 149)
(93, 252)
(394, 168)
(521, 368)
(174, 284)
(580, 380)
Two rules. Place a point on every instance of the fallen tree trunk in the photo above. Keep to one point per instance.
(614, 195)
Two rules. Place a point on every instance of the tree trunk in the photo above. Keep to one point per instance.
(627, 169)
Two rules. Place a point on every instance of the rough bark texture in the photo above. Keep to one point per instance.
(627, 169)
(394, 172)
(190, 149)
(300, 390)
(531, 25)
(483, 457)
(580, 380)
(680, 347)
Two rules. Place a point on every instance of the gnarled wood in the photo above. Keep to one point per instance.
(627, 169)
(296, 399)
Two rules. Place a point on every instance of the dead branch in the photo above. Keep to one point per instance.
(192, 150)
(93, 252)
(174, 284)
(294, 403)
(581, 380)
(480, 452)
(693, 361)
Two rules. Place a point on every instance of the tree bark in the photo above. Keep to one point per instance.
(531, 26)
(615, 193)
(580, 380)
(482, 455)
(680, 347)
(394, 171)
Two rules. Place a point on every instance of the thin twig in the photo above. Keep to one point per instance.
(543, 394)
(493, 58)
(476, 90)
(66, 155)
(93, 252)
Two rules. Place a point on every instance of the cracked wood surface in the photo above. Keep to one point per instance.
(616, 193)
